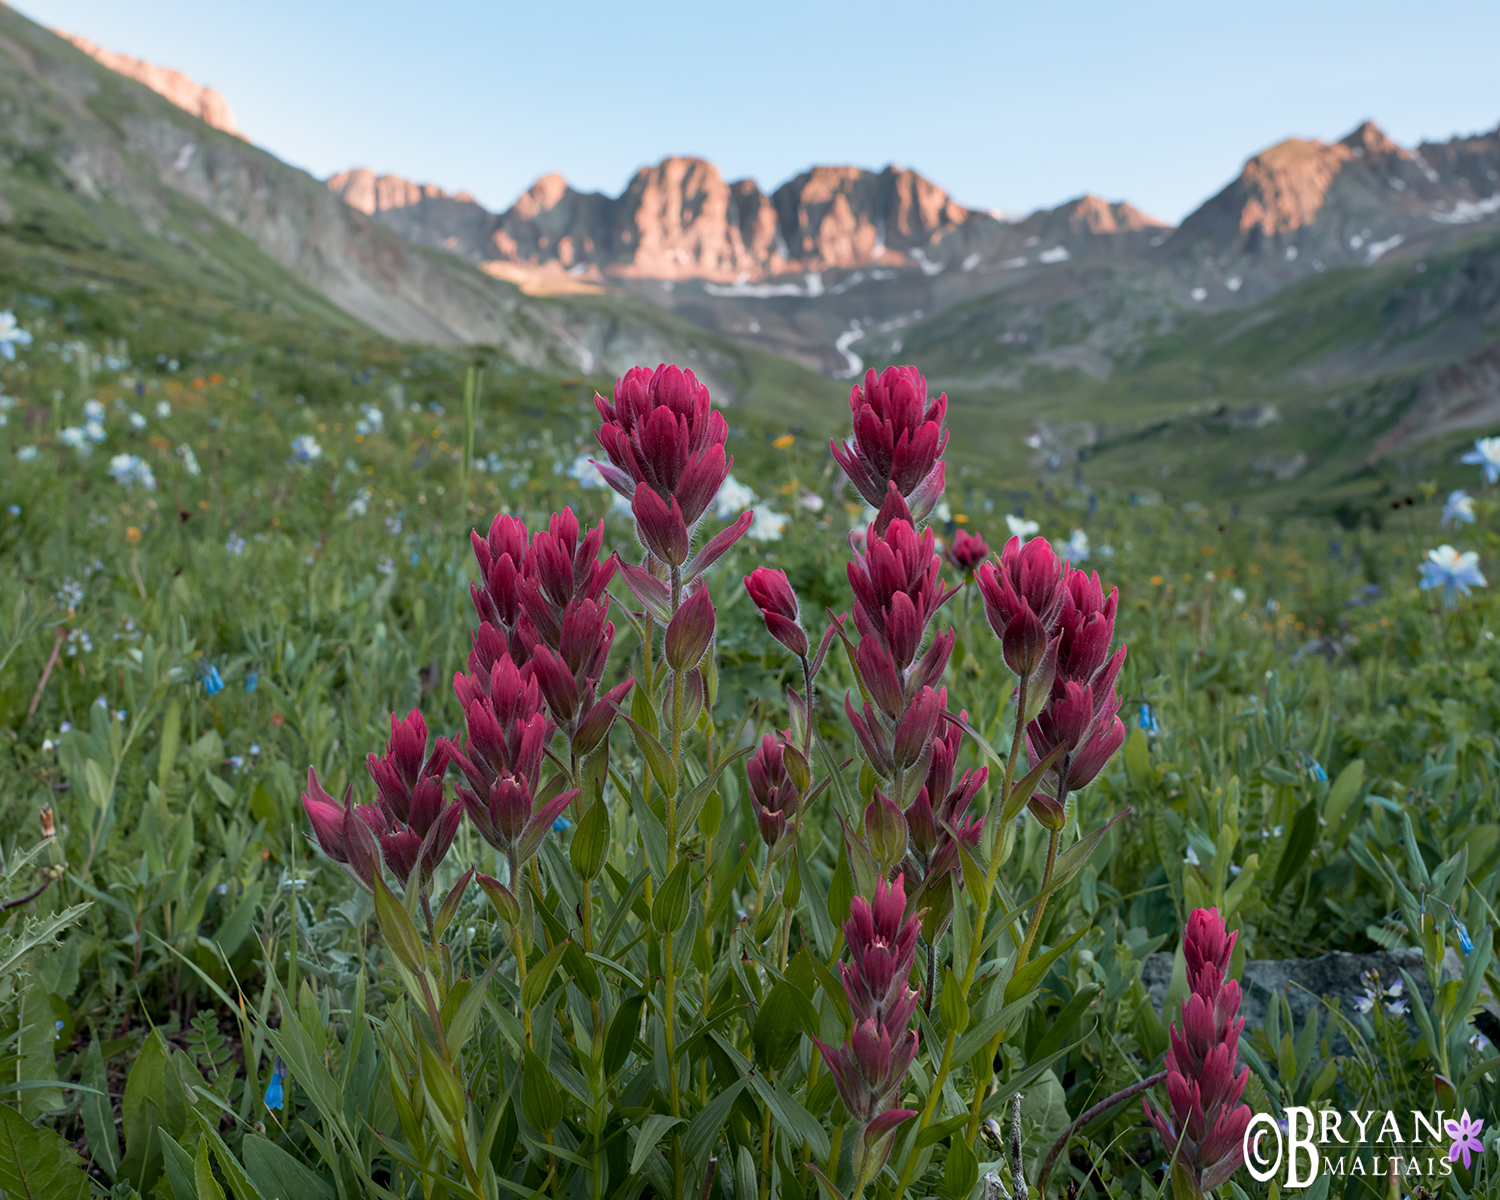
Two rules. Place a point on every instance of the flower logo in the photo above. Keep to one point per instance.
(1465, 1134)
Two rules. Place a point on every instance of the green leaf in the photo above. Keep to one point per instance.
(650, 1133)
(653, 832)
(153, 1099)
(445, 1092)
(590, 842)
(1027, 978)
(98, 784)
(670, 907)
(171, 739)
(662, 768)
(619, 1038)
(785, 1016)
(796, 1122)
(643, 707)
(1072, 860)
(1299, 846)
(399, 930)
(98, 1116)
(692, 804)
(703, 1132)
(36, 1164)
(177, 1167)
(541, 1102)
(276, 1173)
(952, 1006)
(1138, 761)
(1345, 788)
(538, 977)
(239, 1182)
(961, 1171)
(1060, 1026)
(204, 1182)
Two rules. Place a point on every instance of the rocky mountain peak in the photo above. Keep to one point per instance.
(1370, 140)
(205, 103)
(542, 196)
(1094, 214)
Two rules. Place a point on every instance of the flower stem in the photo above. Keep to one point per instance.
(668, 966)
(1098, 1110)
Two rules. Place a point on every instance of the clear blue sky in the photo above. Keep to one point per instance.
(1012, 106)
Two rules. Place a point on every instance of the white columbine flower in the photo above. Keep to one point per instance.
(75, 437)
(733, 498)
(130, 470)
(767, 525)
(360, 505)
(305, 448)
(1237, 595)
(93, 410)
(1020, 527)
(1453, 572)
(137, 420)
(1075, 549)
(11, 335)
(26, 454)
(95, 431)
(189, 460)
(373, 422)
(1486, 456)
(583, 470)
(1459, 509)
(163, 409)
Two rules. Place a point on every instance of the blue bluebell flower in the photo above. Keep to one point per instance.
(213, 682)
(1148, 719)
(1459, 509)
(561, 825)
(1465, 942)
(251, 679)
(1486, 456)
(413, 558)
(1446, 568)
(1315, 768)
(275, 1095)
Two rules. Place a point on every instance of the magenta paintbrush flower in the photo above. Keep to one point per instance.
(1204, 1125)
(869, 1067)
(777, 602)
(778, 774)
(898, 439)
(967, 550)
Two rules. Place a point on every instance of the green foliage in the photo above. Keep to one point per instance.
(1316, 759)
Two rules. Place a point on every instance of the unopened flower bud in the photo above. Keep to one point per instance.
(690, 631)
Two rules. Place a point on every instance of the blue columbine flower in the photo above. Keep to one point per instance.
(1459, 509)
(275, 1095)
(1486, 456)
(1446, 568)
(251, 680)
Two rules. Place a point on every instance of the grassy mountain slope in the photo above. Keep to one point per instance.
(1330, 394)
(105, 184)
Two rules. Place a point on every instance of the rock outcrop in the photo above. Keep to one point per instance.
(205, 103)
